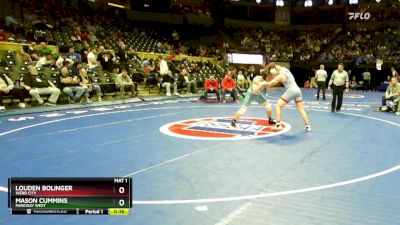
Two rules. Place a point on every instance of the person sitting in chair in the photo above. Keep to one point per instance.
(392, 93)
(184, 80)
(211, 86)
(229, 86)
(167, 81)
(7, 88)
(123, 80)
(37, 85)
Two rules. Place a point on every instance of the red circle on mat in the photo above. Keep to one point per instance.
(219, 128)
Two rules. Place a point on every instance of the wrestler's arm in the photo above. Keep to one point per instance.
(274, 82)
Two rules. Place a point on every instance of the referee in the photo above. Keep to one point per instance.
(320, 77)
(339, 81)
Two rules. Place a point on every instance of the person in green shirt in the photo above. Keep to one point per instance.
(44, 49)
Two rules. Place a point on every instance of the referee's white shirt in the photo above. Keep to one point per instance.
(339, 78)
(321, 75)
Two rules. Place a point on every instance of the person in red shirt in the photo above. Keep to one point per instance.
(3, 36)
(211, 86)
(229, 86)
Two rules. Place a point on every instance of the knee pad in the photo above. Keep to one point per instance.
(242, 110)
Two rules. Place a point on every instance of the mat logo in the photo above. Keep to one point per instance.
(219, 128)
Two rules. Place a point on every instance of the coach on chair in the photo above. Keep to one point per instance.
(339, 81)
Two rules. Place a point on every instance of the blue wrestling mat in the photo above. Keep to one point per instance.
(190, 167)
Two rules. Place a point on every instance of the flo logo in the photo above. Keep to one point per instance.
(219, 128)
(359, 16)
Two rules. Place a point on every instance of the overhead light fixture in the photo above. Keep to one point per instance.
(353, 2)
(258, 1)
(330, 2)
(308, 3)
(116, 5)
(378, 1)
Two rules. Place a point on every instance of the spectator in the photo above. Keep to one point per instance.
(61, 59)
(105, 59)
(123, 55)
(93, 64)
(184, 80)
(124, 81)
(229, 86)
(22, 57)
(74, 56)
(3, 35)
(211, 86)
(167, 81)
(242, 81)
(37, 86)
(145, 63)
(46, 60)
(33, 52)
(70, 84)
(11, 22)
(394, 72)
(163, 66)
(87, 83)
(44, 49)
(353, 83)
(7, 88)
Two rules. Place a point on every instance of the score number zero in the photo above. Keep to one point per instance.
(121, 190)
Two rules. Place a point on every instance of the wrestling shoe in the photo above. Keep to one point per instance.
(271, 121)
(278, 126)
(233, 123)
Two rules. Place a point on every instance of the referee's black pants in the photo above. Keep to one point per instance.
(337, 93)
(366, 85)
(321, 85)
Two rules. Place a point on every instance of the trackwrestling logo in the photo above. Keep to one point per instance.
(219, 128)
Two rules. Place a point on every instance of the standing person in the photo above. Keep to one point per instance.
(339, 81)
(282, 75)
(321, 75)
(257, 94)
(366, 80)
(163, 66)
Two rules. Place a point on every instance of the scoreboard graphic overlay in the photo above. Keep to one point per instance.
(78, 196)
